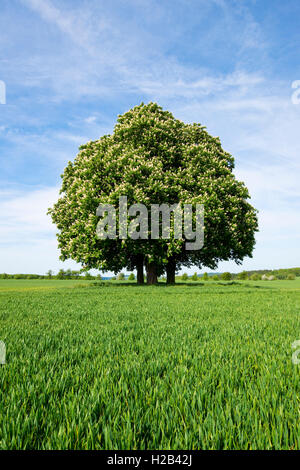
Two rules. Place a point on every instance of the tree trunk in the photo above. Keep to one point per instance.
(151, 273)
(140, 270)
(171, 269)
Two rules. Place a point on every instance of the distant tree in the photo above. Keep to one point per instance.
(291, 277)
(61, 274)
(226, 276)
(255, 277)
(49, 274)
(68, 274)
(120, 277)
(184, 277)
(194, 277)
(131, 277)
(99, 277)
(205, 277)
(281, 275)
(75, 274)
(215, 277)
(88, 276)
(113, 278)
(243, 276)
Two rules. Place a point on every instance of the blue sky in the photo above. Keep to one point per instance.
(71, 66)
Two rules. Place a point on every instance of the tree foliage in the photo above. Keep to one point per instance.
(243, 276)
(153, 158)
(226, 276)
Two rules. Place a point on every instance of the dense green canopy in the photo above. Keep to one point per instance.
(153, 158)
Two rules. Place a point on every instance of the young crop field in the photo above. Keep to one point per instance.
(118, 366)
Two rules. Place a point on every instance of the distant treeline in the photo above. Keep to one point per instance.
(62, 274)
(265, 274)
(281, 274)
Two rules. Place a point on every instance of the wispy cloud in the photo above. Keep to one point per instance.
(28, 242)
(23, 217)
(90, 119)
(108, 57)
(75, 24)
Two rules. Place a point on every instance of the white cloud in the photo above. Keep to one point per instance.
(110, 55)
(70, 23)
(23, 215)
(27, 236)
(90, 119)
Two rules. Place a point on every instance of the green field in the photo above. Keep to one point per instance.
(119, 366)
(40, 284)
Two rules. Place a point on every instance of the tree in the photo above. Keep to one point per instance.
(255, 277)
(131, 277)
(68, 274)
(215, 277)
(205, 277)
(61, 274)
(226, 276)
(120, 277)
(243, 276)
(184, 277)
(194, 277)
(291, 277)
(75, 274)
(153, 158)
(49, 274)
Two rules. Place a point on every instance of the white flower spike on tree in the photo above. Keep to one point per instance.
(153, 158)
